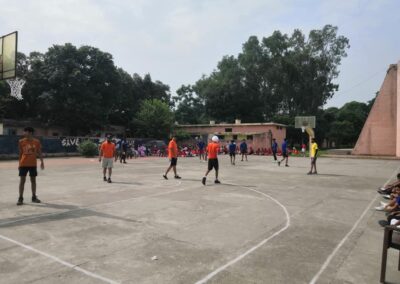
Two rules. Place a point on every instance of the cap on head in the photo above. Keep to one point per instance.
(215, 138)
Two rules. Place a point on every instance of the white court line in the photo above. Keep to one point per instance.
(75, 267)
(56, 259)
(240, 257)
(91, 206)
(334, 252)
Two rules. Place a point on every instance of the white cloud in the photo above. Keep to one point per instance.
(179, 40)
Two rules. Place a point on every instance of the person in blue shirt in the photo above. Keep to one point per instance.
(274, 149)
(243, 149)
(201, 147)
(285, 154)
(232, 151)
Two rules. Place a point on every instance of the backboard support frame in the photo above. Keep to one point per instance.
(307, 124)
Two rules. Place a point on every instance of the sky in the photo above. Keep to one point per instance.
(177, 41)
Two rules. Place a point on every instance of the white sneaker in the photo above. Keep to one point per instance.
(387, 196)
(382, 188)
(383, 204)
(380, 208)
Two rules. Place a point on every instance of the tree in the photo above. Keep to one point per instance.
(155, 119)
(78, 88)
(278, 75)
(191, 108)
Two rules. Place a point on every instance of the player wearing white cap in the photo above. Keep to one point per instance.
(212, 150)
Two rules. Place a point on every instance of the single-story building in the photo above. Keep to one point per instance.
(257, 135)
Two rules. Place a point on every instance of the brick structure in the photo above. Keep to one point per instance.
(380, 135)
(257, 135)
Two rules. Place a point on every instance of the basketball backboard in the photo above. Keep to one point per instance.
(304, 122)
(8, 56)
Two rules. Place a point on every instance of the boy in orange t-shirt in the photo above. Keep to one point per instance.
(29, 150)
(212, 150)
(107, 153)
(173, 157)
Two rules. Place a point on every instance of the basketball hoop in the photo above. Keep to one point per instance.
(16, 86)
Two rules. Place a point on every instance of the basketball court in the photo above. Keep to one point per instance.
(263, 224)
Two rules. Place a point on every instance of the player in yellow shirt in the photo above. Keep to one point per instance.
(313, 155)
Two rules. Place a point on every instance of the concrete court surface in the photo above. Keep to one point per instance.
(263, 224)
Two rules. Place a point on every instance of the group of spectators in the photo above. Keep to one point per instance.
(391, 192)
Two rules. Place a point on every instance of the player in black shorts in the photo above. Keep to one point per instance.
(212, 150)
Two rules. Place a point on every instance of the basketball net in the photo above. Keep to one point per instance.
(16, 86)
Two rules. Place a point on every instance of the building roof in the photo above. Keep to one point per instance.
(232, 124)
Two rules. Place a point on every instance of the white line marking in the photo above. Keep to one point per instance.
(91, 206)
(330, 257)
(240, 257)
(56, 259)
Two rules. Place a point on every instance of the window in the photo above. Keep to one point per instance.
(235, 137)
(249, 137)
(228, 129)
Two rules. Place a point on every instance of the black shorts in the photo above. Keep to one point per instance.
(284, 154)
(313, 160)
(174, 161)
(213, 163)
(243, 152)
(23, 171)
(232, 154)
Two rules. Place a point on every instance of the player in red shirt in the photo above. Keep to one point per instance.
(212, 150)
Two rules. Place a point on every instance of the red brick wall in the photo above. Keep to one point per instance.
(378, 136)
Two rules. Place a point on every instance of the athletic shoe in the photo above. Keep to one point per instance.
(286, 165)
(104, 178)
(383, 203)
(380, 208)
(309, 173)
(315, 173)
(387, 196)
(35, 199)
(109, 180)
(164, 176)
(203, 181)
(217, 181)
(177, 177)
(20, 201)
(279, 163)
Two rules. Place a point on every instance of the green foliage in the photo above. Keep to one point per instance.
(79, 89)
(154, 119)
(88, 148)
(190, 108)
(181, 135)
(273, 76)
